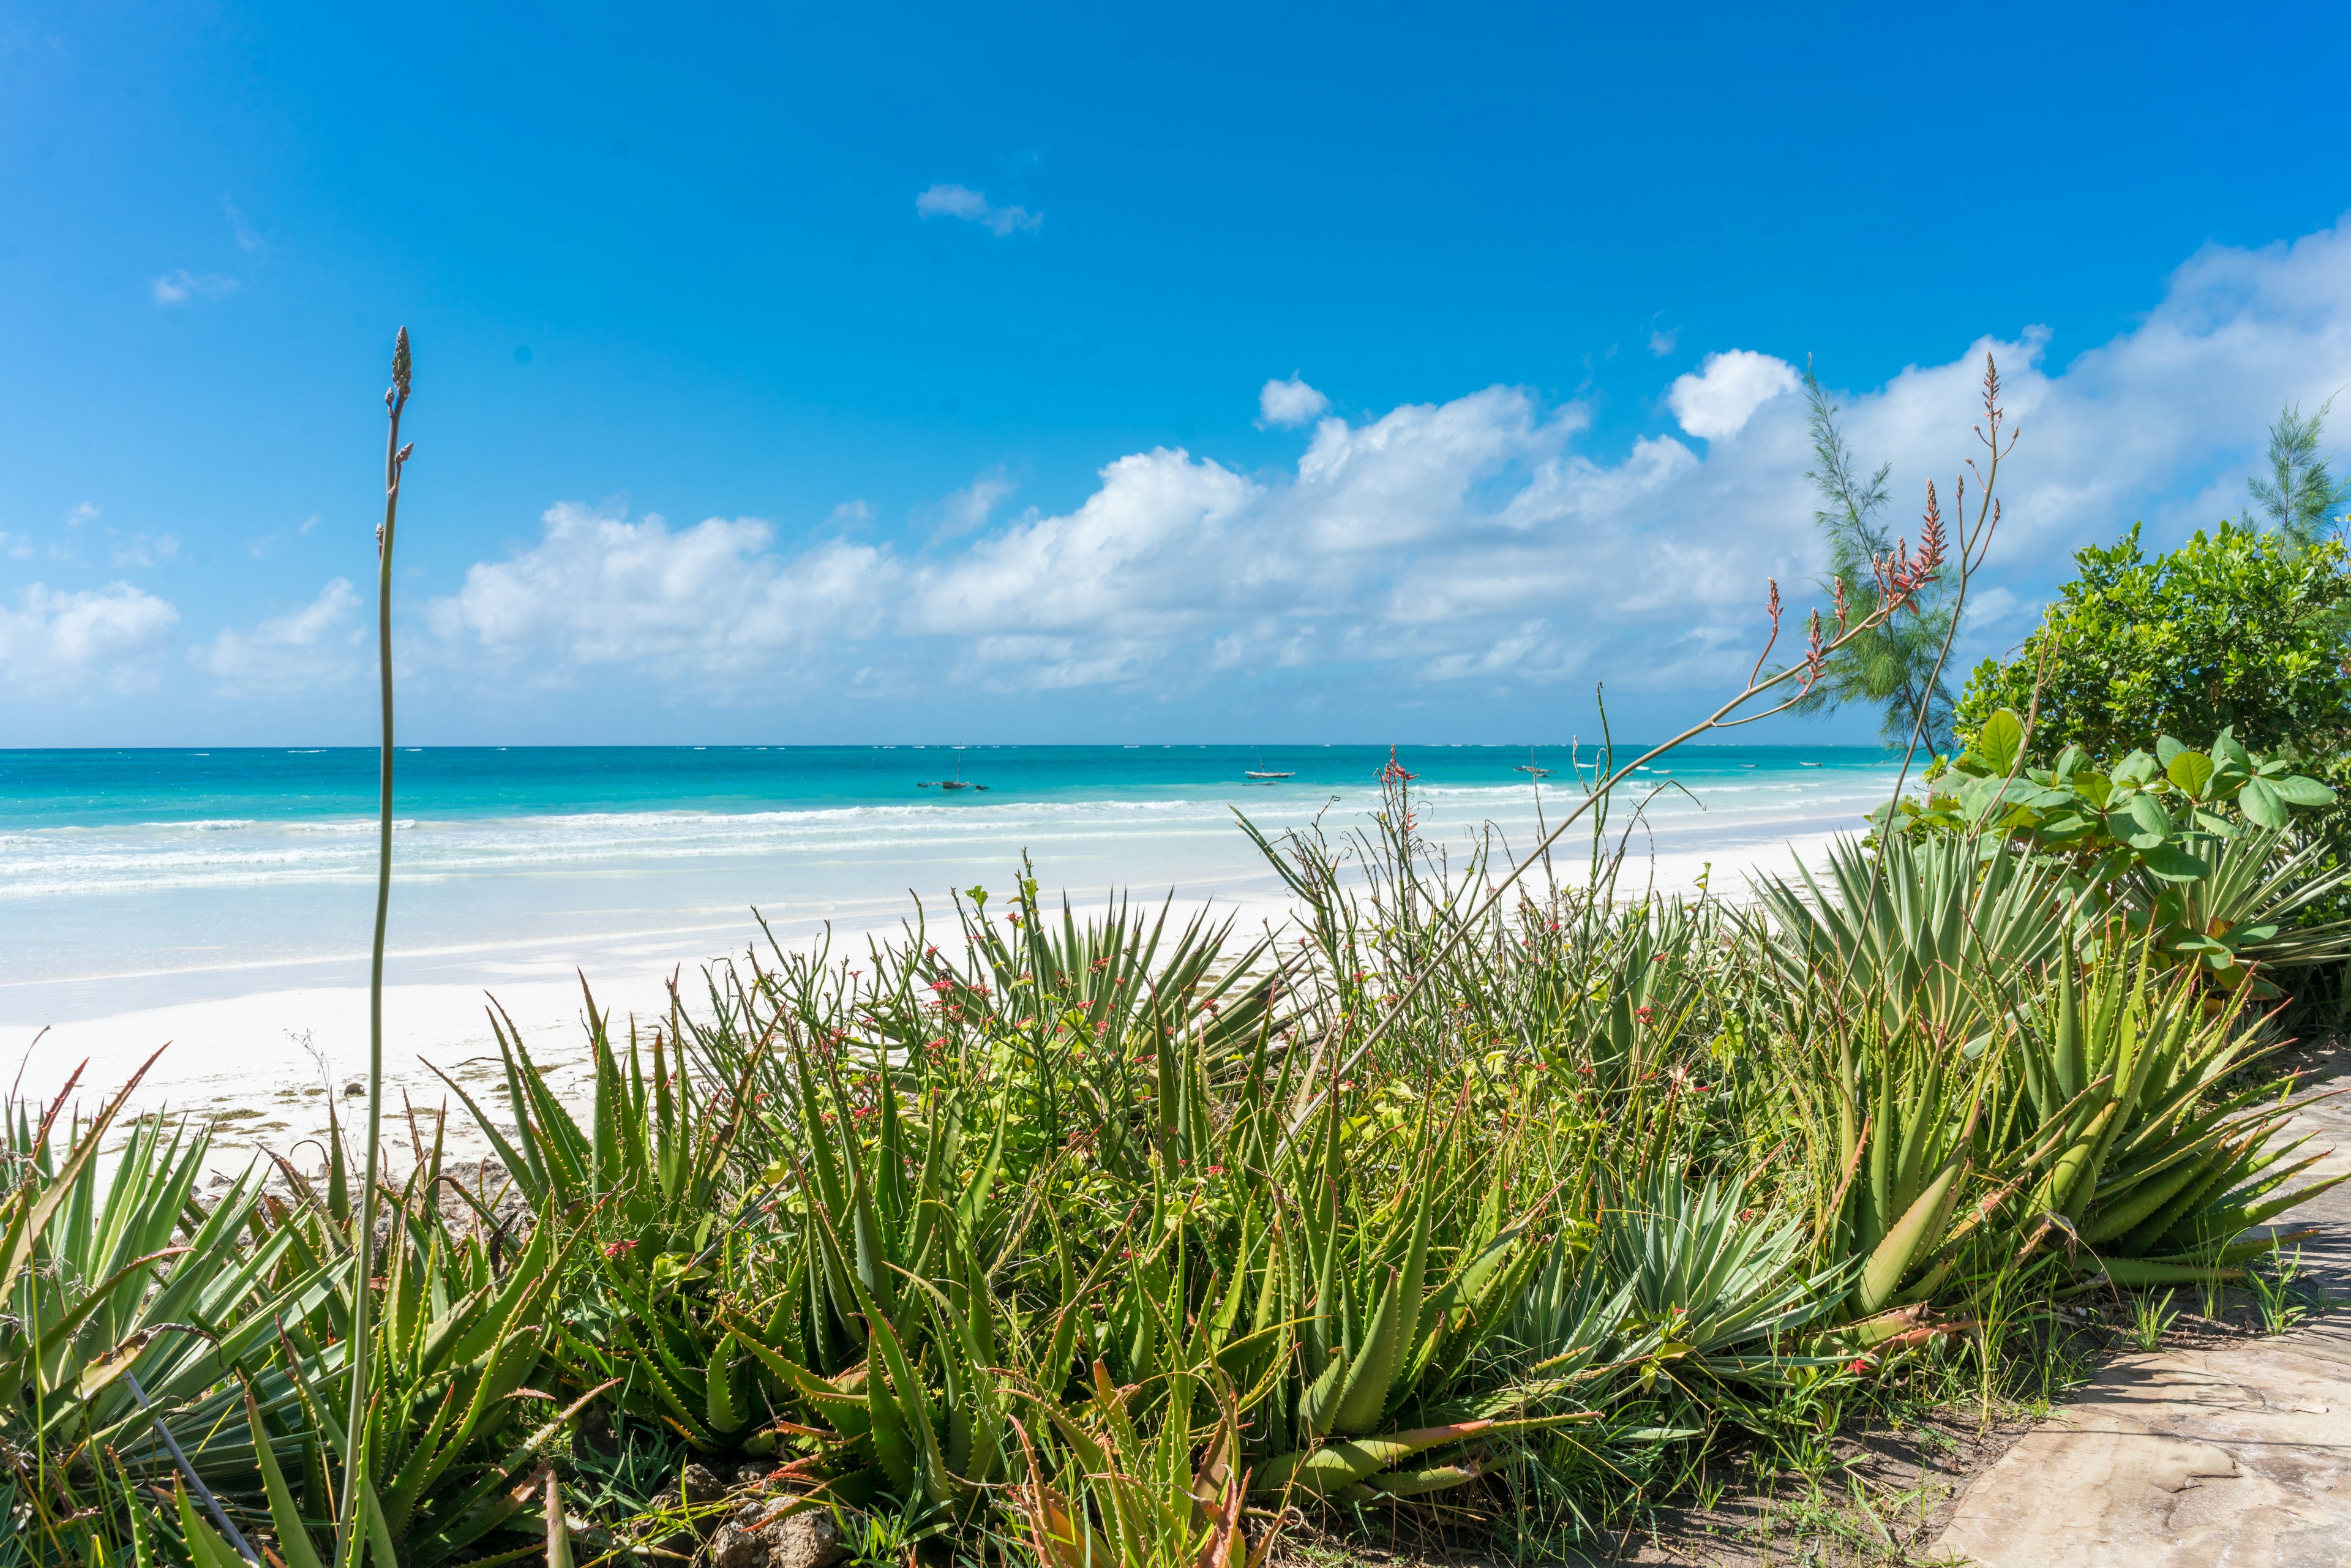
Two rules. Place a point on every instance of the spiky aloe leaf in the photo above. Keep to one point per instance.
(293, 1533)
(1321, 1401)
(1919, 1227)
(723, 1401)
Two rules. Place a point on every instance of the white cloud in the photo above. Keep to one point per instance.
(968, 509)
(181, 286)
(1661, 343)
(1716, 401)
(143, 550)
(248, 236)
(16, 547)
(54, 640)
(1288, 405)
(1468, 545)
(598, 590)
(961, 202)
(1127, 559)
(316, 645)
(82, 512)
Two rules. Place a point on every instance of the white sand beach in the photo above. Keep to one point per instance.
(255, 1051)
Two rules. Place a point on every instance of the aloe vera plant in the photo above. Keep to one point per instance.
(1131, 1495)
(124, 1287)
(1897, 1115)
(451, 1422)
(2156, 1174)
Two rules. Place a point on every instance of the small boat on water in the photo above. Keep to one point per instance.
(1529, 768)
(1262, 774)
(958, 782)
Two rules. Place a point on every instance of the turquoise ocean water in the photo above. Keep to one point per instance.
(128, 874)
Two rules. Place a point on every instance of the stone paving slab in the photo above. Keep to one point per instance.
(2240, 1456)
(2237, 1457)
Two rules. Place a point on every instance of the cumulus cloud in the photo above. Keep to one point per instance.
(961, 202)
(598, 590)
(1716, 402)
(1286, 405)
(181, 287)
(316, 645)
(53, 640)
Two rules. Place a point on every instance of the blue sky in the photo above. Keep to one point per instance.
(861, 373)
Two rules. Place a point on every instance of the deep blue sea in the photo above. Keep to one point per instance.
(136, 866)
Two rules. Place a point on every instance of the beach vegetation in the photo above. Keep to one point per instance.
(1897, 667)
(2237, 630)
(2206, 858)
(2300, 498)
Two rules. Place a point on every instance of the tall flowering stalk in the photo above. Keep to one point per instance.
(351, 1524)
(1902, 577)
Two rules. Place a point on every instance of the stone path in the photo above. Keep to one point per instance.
(2234, 1457)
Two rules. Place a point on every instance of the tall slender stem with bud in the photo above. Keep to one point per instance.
(352, 1525)
(1902, 578)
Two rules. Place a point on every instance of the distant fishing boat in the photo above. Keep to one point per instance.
(958, 781)
(1528, 767)
(1262, 774)
(1808, 765)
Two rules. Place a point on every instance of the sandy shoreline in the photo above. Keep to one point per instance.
(256, 1052)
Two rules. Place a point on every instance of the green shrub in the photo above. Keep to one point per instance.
(2235, 630)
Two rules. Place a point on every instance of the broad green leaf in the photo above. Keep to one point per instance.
(2191, 771)
(2296, 790)
(2138, 767)
(2262, 804)
(2173, 863)
(2168, 750)
(1999, 745)
(2227, 749)
(2093, 787)
(2146, 823)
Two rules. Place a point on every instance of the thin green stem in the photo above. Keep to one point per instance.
(350, 1525)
